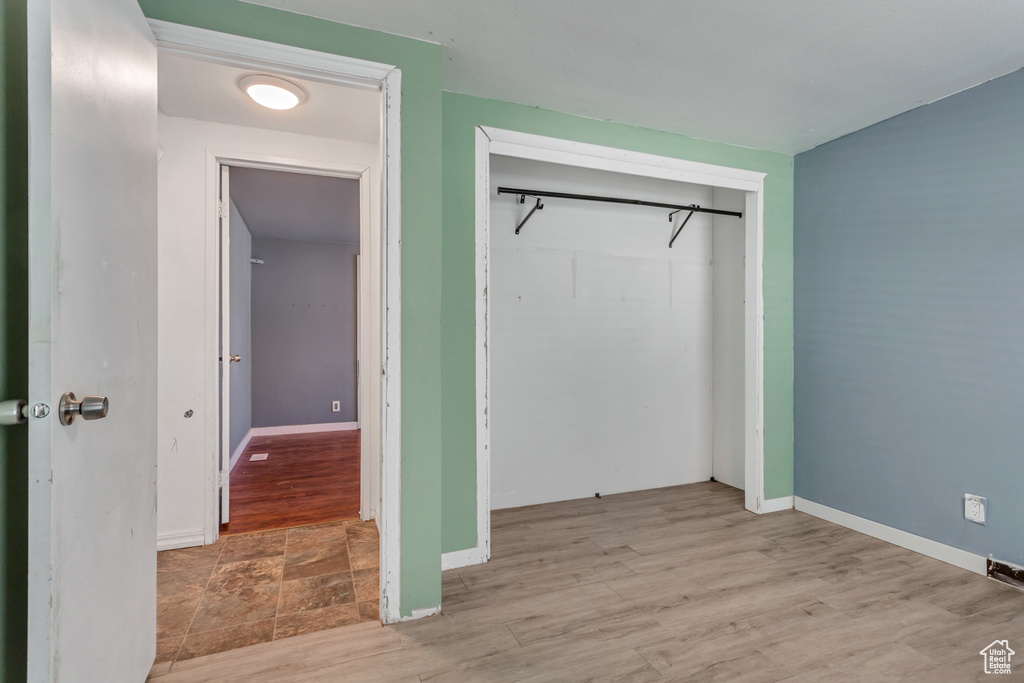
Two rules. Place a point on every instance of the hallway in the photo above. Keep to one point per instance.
(305, 479)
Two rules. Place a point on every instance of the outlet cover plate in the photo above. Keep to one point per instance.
(974, 508)
(335, 406)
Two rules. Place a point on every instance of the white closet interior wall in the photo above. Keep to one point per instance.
(603, 338)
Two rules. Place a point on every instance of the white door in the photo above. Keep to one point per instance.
(226, 356)
(92, 106)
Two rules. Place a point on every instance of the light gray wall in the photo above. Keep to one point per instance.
(909, 330)
(241, 328)
(303, 332)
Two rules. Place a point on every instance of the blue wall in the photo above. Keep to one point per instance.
(303, 332)
(909, 320)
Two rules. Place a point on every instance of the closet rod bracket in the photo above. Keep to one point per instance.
(672, 214)
(536, 207)
(681, 225)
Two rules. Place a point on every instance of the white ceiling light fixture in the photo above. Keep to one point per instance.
(272, 92)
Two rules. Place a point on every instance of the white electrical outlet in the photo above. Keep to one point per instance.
(974, 508)
(335, 406)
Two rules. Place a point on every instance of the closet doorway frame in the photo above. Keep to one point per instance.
(495, 141)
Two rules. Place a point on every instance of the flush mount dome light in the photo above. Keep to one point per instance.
(272, 92)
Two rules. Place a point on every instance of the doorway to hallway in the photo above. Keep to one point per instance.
(289, 495)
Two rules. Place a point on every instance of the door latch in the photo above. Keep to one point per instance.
(13, 412)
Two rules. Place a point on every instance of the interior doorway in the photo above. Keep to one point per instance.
(290, 331)
(274, 238)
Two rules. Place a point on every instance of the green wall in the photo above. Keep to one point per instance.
(420, 63)
(437, 282)
(13, 339)
(461, 115)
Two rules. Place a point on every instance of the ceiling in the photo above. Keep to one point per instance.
(296, 206)
(196, 89)
(784, 75)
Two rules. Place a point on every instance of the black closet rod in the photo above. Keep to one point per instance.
(616, 200)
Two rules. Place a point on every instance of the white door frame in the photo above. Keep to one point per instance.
(218, 270)
(308, 64)
(553, 150)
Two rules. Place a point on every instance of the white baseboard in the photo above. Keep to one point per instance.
(463, 558)
(238, 451)
(777, 504)
(904, 539)
(185, 540)
(425, 612)
(304, 429)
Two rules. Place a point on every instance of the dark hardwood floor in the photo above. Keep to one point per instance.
(306, 479)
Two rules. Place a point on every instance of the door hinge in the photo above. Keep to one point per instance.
(222, 209)
(222, 478)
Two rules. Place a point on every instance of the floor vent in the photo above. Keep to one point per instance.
(259, 456)
(1007, 573)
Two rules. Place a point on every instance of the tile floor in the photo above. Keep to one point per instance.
(253, 588)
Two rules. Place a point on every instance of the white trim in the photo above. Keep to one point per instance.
(368, 336)
(753, 352)
(494, 141)
(482, 551)
(187, 539)
(240, 449)
(223, 473)
(425, 612)
(904, 539)
(289, 60)
(390, 519)
(463, 558)
(304, 429)
(777, 504)
(232, 50)
(568, 152)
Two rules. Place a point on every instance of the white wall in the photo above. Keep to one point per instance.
(728, 333)
(187, 278)
(601, 338)
(241, 328)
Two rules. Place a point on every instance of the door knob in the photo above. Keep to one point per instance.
(235, 358)
(90, 408)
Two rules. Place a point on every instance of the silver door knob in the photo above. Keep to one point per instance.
(235, 358)
(90, 408)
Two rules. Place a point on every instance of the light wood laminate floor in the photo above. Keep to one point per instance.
(675, 584)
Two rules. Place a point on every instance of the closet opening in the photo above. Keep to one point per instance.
(607, 361)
